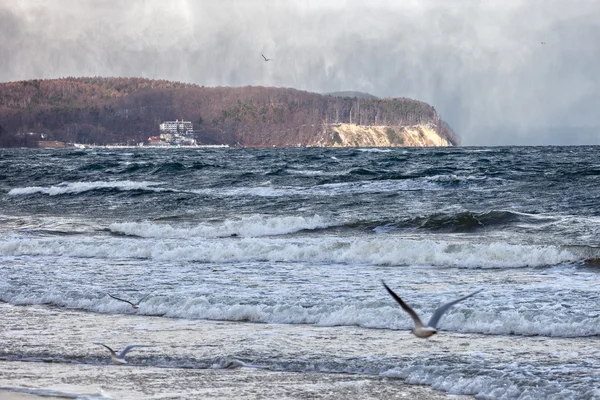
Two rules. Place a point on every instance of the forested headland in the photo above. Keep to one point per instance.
(129, 110)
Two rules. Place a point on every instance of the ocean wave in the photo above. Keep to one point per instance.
(388, 251)
(248, 226)
(308, 172)
(80, 187)
(476, 374)
(333, 187)
(453, 178)
(169, 168)
(467, 374)
(133, 167)
(467, 221)
(489, 380)
(373, 150)
(485, 313)
(98, 166)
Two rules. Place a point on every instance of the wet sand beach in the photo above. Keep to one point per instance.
(11, 395)
(53, 349)
(46, 351)
(175, 383)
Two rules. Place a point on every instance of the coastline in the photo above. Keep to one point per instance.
(136, 383)
(13, 395)
(52, 348)
(51, 352)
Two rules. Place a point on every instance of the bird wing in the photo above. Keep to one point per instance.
(116, 298)
(145, 297)
(405, 306)
(109, 349)
(435, 318)
(128, 348)
(264, 56)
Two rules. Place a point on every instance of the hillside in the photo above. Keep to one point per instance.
(129, 110)
(352, 93)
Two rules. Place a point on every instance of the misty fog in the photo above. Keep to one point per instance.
(481, 64)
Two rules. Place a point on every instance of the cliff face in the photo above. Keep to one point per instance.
(129, 110)
(421, 135)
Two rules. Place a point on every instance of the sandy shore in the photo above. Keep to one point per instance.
(10, 395)
(50, 351)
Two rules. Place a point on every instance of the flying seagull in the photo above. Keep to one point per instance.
(120, 359)
(266, 59)
(134, 305)
(420, 330)
(543, 42)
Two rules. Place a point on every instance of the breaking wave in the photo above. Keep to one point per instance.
(467, 221)
(249, 226)
(80, 187)
(486, 313)
(389, 251)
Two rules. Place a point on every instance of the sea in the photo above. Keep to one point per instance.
(271, 261)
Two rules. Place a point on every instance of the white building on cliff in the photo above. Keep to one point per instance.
(174, 133)
(177, 126)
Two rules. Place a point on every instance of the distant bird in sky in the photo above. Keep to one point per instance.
(136, 305)
(120, 358)
(266, 59)
(543, 42)
(420, 330)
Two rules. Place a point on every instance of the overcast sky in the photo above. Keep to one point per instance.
(480, 63)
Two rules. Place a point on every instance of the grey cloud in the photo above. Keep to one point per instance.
(481, 64)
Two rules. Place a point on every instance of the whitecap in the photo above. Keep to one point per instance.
(80, 187)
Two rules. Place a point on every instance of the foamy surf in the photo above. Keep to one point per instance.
(480, 315)
(80, 187)
(186, 351)
(385, 251)
(246, 226)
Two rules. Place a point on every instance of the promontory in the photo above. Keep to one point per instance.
(130, 110)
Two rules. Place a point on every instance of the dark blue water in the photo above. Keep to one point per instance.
(542, 194)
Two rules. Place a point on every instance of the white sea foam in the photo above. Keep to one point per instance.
(375, 251)
(247, 226)
(329, 189)
(259, 191)
(80, 187)
(373, 150)
(478, 315)
(312, 172)
(496, 383)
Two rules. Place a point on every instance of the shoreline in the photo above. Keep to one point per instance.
(46, 348)
(6, 394)
(65, 380)
(51, 352)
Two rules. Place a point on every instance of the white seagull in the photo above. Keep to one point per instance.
(120, 358)
(135, 305)
(266, 59)
(420, 330)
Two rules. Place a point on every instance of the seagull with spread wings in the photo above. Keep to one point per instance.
(421, 330)
(119, 359)
(266, 59)
(135, 305)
